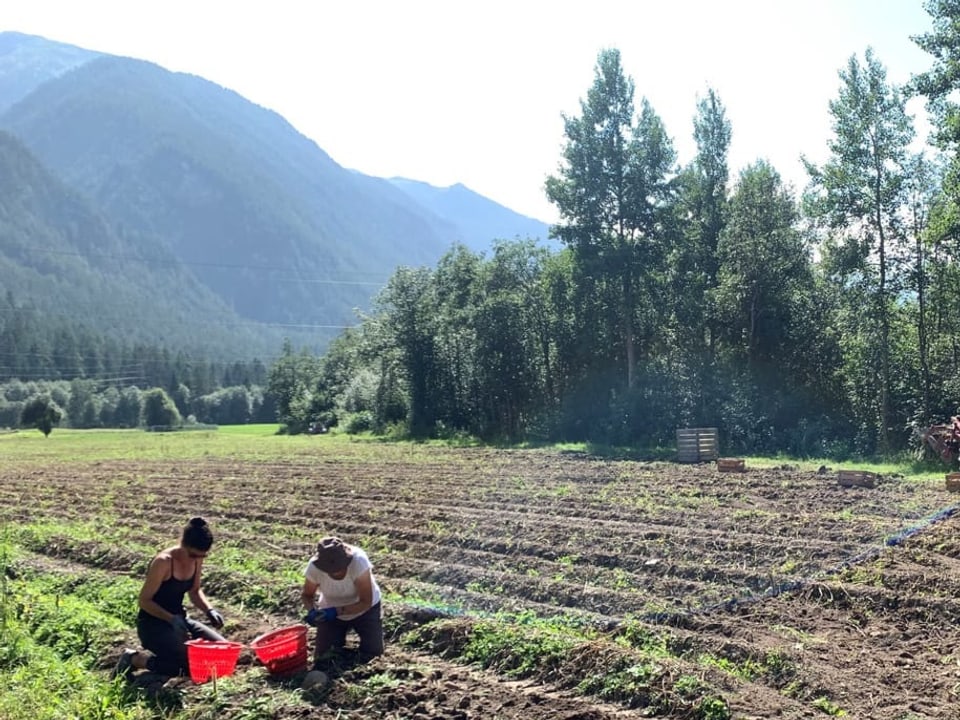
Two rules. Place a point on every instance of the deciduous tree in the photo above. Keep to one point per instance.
(159, 410)
(611, 191)
(859, 194)
(42, 413)
(693, 264)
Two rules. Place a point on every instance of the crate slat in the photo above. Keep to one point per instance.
(697, 444)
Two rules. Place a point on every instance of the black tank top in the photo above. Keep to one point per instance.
(170, 594)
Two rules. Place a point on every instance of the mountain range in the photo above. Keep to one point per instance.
(159, 204)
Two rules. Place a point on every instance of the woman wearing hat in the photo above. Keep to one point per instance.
(340, 594)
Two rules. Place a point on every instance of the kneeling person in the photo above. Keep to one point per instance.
(162, 623)
(341, 593)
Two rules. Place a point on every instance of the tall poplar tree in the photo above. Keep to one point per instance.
(702, 206)
(860, 194)
(610, 192)
(940, 85)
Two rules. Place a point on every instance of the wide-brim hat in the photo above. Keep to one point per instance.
(332, 556)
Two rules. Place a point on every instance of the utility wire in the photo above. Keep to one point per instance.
(137, 364)
(208, 323)
(228, 266)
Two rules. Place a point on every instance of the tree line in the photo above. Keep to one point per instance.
(70, 374)
(812, 322)
(817, 323)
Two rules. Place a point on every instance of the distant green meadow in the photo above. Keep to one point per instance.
(249, 443)
(236, 441)
(265, 443)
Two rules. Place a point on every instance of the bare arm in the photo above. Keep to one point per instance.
(309, 593)
(364, 588)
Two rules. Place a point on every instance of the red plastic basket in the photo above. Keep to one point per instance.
(283, 651)
(207, 658)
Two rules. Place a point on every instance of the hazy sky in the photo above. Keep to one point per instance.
(449, 91)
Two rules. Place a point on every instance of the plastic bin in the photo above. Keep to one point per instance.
(207, 658)
(283, 651)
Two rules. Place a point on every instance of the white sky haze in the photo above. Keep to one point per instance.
(474, 92)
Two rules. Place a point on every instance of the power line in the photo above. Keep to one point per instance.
(37, 375)
(228, 266)
(81, 362)
(53, 353)
(146, 362)
(196, 323)
(137, 364)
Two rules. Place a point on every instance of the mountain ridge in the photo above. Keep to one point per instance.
(491, 220)
(253, 210)
(62, 255)
(27, 61)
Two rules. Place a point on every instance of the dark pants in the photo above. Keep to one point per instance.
(169, 652)
(368, 626)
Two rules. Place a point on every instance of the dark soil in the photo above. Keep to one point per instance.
(791, 595)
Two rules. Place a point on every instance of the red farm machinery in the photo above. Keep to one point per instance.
(944, 440)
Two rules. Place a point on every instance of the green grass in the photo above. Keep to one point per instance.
(907, 467)
(263, 442)
(49, 687)
(50, 639)
(240, 443)
(265, 430)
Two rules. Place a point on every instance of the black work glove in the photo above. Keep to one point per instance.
(215, 618)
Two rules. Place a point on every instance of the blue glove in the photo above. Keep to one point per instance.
(180, 627)
(318, 615)
(215, 618)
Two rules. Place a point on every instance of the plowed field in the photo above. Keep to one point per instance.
(687, 592)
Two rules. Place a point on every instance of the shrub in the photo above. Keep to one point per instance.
(42, 413)
(360, 422)
(159, 409)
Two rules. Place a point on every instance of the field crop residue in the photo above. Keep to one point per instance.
(518, 583)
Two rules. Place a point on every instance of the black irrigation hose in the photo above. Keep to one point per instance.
(675, 618)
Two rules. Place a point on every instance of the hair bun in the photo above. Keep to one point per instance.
(198, 522)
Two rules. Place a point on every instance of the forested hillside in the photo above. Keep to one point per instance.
(27, 61)
(258, 213)
(159, 230)
(63, 259)
(262, 215)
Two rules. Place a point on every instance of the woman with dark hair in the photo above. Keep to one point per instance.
(162, 623)
(341, 593)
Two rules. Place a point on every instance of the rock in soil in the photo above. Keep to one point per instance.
(313, 679)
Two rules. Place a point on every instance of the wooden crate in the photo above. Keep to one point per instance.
(953, 481)
(731, 464)
(857, 478)
(697, 445)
